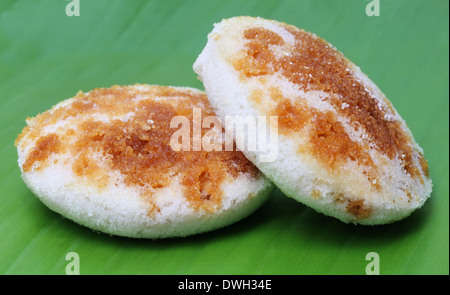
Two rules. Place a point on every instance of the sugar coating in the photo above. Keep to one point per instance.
(343, 148)
(103, 159)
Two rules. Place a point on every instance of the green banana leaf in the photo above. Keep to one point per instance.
(49, 50)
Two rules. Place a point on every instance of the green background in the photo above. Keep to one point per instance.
(46, 56)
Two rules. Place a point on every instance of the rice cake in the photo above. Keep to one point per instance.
(103, 159)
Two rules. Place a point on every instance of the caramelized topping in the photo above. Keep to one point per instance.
(45, 147)
(312, 64)
(290, 117)
(139, 146)
(358, 209)
(331, 142)
(258, 52)
(424, 165)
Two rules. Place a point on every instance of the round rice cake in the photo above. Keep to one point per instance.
(342, 147)
(104, 160)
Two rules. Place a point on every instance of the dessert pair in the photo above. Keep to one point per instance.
(106, 158)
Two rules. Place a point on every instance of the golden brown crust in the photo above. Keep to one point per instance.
(358, 209)
(45, 146)
(139, 147)
(312, 64)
